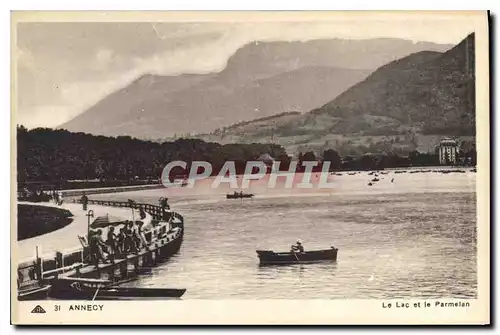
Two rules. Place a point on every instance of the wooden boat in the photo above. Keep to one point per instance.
(88, 289)
(38, 293)
(268, 257)
(238, 196)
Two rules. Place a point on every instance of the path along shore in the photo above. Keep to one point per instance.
(66, 238)
(116, 189)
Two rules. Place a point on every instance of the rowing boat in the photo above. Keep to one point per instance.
(238, 196)
(268, 257)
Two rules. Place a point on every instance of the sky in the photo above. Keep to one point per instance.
(63, 68)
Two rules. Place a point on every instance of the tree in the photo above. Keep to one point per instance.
(473, 155)
(284, 162)
(58, 155)
(309, 157)
(300, 156)
(333, 157)
(367, 162)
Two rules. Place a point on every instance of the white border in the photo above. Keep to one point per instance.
(188, 4)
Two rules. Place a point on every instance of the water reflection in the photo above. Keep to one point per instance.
(394, 243)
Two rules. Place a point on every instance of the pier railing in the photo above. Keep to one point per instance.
(156, 212)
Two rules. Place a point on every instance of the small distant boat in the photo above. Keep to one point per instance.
(370, 184)
(375, 179)
(239, 195)
(84, 289)
(269, 257)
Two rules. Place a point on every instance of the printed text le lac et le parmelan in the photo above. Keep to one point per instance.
(425, 304)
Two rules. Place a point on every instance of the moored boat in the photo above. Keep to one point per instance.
(239, 195)
(38, 293)
(269, 257)
(87, 289)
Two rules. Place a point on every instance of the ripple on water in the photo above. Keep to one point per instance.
(420, 245)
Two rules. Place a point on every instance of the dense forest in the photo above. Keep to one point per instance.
(56, 156)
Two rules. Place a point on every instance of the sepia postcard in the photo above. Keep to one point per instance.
(250, 168)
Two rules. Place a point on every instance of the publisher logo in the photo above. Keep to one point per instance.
(38, 310)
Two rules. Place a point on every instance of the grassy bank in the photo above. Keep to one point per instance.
(38, 220)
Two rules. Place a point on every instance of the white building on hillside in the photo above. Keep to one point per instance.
(448, 151)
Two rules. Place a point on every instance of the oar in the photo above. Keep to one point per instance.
(96, 291)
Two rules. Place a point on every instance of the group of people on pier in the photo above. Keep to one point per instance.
(128, 240)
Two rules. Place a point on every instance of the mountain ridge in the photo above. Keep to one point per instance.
(406, 104)
(155, 106)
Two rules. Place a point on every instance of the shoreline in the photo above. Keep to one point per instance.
(70, 194)
(64, 239)
(115, 189)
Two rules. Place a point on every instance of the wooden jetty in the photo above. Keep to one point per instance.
(35, 278)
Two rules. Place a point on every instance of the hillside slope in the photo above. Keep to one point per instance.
(431, 92)
(260, 79)
(407, 104)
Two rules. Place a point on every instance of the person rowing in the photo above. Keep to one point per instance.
(297, 247)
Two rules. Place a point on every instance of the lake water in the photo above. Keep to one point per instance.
(414, 237)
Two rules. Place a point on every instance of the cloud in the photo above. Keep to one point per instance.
(64, 68)
(42, 116)
(104, 57)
